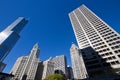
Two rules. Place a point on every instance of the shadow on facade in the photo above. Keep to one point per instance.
(39, 71)
(97, 67)
(60, 72)
(24, 77)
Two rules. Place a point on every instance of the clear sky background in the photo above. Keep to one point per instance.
(49, 24)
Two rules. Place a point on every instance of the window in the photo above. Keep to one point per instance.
(116, 51)
(110, 52)
(113, 57)
(113, 63)
(117, 62)
(109, 58)
(119, 56)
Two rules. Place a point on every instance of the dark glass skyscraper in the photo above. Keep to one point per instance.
(10, 36)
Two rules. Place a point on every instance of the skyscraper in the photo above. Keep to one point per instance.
(25, 67)
(60, 64)
(78, 66)
(10, 36)
(48, 68)
(69, 73)
(99, 43)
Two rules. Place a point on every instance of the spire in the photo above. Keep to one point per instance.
(17, 25)
(73, 45)
(10, 35)
(36, 45)
(35, 50)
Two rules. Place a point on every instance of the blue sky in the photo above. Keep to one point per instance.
(49, 24)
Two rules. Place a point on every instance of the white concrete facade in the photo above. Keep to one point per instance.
(48, 68)
(91, 31)
(26, 67)
(60, 63)
(78, 66)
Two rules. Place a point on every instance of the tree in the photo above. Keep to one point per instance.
(55, 77)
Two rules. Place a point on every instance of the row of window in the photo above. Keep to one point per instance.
(111, 63)
(114, 62)
(106, 54)
(117, 51)
(109, 58)
(91, 33)
(91, 36)
(116, 42)
(104, 50)
(86, 45)
(98, 44)
(116, 47)
(88, 27)
(96, 20)
(84, 42)
(108, 36)
(104, 29)
(103, 46)
(95, 38)
(96, 41)
(82, 38)
(101, 26)
(77, 30)
(80, 34)
(113, 39)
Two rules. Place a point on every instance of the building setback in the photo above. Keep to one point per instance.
(99, 43)
(25, 67)
(60, 64)
(48, 68)
(78, 66)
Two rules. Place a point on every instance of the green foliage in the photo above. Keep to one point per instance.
(55, 77)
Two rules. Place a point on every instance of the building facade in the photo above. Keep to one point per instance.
(99, 43)
(70, 73)
(25, 67)
(78, 66)
(60, 64)
(39, 72)
(48, 68)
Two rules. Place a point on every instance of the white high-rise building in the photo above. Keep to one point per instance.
(18, 68)
(48, 68)
(60, 64)
(78, 66)
(25, 67)
(99, 43)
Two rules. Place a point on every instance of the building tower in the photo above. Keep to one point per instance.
(10, 36)
(69, 73)
(78, 66)
(48, 68)
(99, 43)
(25, 67)
(60, 64)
